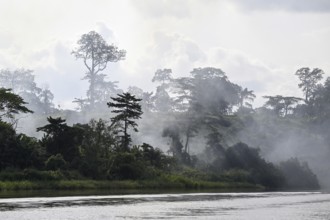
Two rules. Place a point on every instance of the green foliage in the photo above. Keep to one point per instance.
(282, 105)
(61, 139)
(128, 109)
(241, 156)
(243, 163)
(309, 80)
(298, 175)
(55, 162)
(162, 100)
(201, 108)
(208, 90)
(126, 166)
(9, 147)
(245, 97)
(18, 151)
(30, 174)
(97, 145)
(32, 151)
(11, 104)
(176, 146)
(236, 175)
(141, 162)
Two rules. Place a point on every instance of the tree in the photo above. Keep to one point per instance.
(281, 105)
(18, 150)
(46, 100)
(204, 100)
(213, 92)
(61, 139)
(186, 125)
(162, 100)
(22, 82)
(19, 80)
(103, 90)
(209, 90)
(241, 156)
(176, 146)
(96, 148)
(289, 103)
(309, 80)
(136, 91)
(147, 99)
(298, 175)
(128, 109)
(162, 75)
(11, 104)
(245, 94)
(319, 106)
(96, 54)
(275, 102)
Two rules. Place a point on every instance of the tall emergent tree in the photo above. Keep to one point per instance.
(309, 80)
(162, 100)
(163, 76)
(209, 90)
(128, 109)
(96, 54)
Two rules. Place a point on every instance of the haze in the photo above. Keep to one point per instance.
(258, 44)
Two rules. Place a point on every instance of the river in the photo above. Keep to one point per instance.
(261, 205)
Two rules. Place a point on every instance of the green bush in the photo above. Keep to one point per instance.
(236, 175)
(55, 162)
(11, 175)
(298, 175)
(241, 156)
(31, 174)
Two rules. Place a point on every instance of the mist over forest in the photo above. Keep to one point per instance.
(201, 123)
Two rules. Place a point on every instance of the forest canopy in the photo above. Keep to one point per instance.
(202, 126)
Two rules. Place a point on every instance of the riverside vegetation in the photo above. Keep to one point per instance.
(204, 111)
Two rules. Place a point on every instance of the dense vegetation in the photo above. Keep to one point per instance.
(214, 134)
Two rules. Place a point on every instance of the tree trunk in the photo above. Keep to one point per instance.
(92, 83)
(187, 142)
(125, 136)
(92, 91)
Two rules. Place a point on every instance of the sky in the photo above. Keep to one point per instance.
(259, 44)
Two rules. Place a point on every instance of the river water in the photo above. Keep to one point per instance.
(262, 205)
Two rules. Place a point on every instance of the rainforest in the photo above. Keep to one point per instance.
(201, 131)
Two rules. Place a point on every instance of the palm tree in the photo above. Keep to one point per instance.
(246, 94)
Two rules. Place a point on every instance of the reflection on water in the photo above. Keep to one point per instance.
(264, 205)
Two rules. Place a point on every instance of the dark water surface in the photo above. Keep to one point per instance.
(260, 205)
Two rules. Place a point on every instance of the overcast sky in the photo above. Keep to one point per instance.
(258, 44)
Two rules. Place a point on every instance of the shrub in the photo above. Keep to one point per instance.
(298, 175)
(237, 175)
(55, 162)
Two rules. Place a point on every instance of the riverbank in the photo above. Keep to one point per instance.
(158, 184)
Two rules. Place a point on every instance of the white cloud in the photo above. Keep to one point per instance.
(105, 32)
(290, 5)
(255, 74)
(163, 8)
(259, 50)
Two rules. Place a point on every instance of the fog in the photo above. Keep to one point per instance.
(217, 62)
(191, 115)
